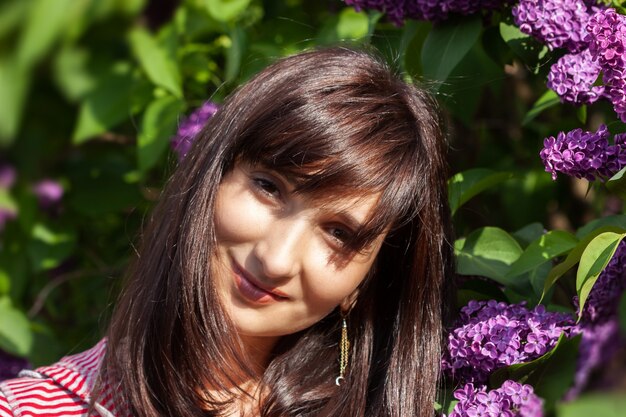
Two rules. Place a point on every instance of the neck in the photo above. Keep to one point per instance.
(258, 350)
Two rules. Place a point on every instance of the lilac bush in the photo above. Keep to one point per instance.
(607, 43)
(573, 76)
(556, 23)
(190, 127)
(491, 335)
(512, 399)
(584, 154)
(433, 10)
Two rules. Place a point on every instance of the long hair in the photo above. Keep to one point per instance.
(342, 122)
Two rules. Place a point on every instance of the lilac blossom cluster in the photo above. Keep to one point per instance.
(7, 179)
(583, 154)
(190, 127)
(48, 192)
(11, 365)
(492, 334)
(556, 23)
(573, 77)
(607, 43)
(432, 10)
(512, 399)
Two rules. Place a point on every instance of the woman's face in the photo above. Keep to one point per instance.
(281, 263)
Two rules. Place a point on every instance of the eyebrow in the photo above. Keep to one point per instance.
(350, 221)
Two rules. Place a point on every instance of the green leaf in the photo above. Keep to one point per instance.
(467, 184)
(44, 25)
(15, 333)
(14, 85)
(547, 100)
(488, 252)
(594, 259)
(160, 68)
(529, 233)
(49, 246)
(158, 126)
(447, 44)
(235, 52)
(352, 24)
(414, 34)
(226, 10)
(6, 201)
(550, 245)
(71, 74)
(617, 221)
(106, 106)
(617, 183)
(551, 375)
(12, 14)
(524, 46)
(603, 404)
(574, 256)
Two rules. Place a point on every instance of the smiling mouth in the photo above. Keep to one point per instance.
(250, 290)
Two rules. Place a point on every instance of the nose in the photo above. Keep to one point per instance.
(280, 251)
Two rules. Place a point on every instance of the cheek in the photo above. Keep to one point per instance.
(237, 218)
(330, 285)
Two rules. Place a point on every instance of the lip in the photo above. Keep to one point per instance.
(250, 288)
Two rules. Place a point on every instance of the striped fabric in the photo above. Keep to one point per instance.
(63, 389)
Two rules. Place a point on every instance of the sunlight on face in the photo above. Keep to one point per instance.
(276, 273)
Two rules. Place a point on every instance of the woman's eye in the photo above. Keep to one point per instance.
(267, 186)
(340, 234)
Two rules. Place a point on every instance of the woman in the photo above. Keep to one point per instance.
(297, 262)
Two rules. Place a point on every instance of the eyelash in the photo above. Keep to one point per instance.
(346, 232)
(266, 186)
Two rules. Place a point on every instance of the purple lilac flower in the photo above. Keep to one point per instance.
(190, 127)
(434, 10)
(573, 76)
(512, 399)
(7, 176)
(11, 365)
(583, 154)
(556, 23)
(599, 344)
(48, 192)
(607, 44)
(492, 334)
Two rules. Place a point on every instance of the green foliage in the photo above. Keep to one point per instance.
(465, 185)
(15, 334)
(446, 45)
(488, 252)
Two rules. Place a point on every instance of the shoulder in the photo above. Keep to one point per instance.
(62, 389)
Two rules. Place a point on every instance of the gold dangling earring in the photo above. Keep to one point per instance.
(344, 348)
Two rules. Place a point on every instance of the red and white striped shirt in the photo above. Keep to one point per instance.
(62, 389)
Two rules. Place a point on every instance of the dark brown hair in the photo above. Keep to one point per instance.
(340, 121)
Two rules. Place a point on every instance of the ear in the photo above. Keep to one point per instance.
(348, 303)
